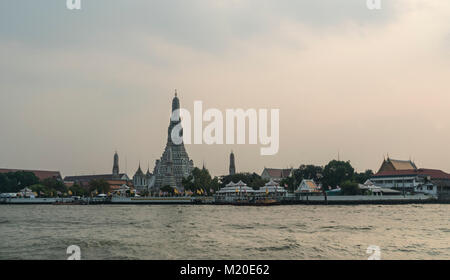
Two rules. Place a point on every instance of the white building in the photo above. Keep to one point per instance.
(404, 176)
(308, 186)
(142, 182)
(272, 188)
(420, 180)
(232, 191)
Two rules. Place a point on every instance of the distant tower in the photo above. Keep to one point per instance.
(115, 170)
(232, 166)
(174, 162)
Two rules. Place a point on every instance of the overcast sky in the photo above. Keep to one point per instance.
(77, 85)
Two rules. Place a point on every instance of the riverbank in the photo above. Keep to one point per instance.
(302, 200)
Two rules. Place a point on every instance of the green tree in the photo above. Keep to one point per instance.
(201, 179)
(7, 184)
(15, 181)
(168, 189)
(54, 184)
(77, 190)
(41, 190)
(291, 183)
(311, 172)
(350, 188)
(253, 180)
(25, 178)
(363, 177)
(99, 185)
(337, 172)
(215, 184)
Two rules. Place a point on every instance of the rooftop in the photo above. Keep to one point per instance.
(41, 174)
(433, 173)
(278, 173)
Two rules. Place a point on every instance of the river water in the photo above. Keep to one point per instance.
(224, 232)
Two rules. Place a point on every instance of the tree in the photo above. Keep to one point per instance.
(350, 188)
(25, 179)
(310, 172)
(215, 184)
(7, 184)
(363, 177)
(167, 189)
(54, 184)
(291, 183)
(15, 181)
(77, 190)
(41, 189)
(100, 185)
(201, 179)
(253, 180)
(337, 172)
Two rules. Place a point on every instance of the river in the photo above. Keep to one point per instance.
(225, 232)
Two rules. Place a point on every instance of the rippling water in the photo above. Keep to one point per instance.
(224, 232)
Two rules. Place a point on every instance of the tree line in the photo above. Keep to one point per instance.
(335, 173)
(13, 182)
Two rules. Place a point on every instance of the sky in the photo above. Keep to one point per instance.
(77, 85)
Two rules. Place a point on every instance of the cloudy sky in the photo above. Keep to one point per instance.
(77, 85)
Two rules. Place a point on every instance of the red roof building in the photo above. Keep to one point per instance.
(395, 164)
(422, 172)
(405, 176)
(276, 174)
(41, 174)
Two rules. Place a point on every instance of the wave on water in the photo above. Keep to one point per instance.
(208, 232)
(347, 228)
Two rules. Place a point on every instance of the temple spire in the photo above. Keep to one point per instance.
(174, 164)
(232, 164)
(115, 170)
